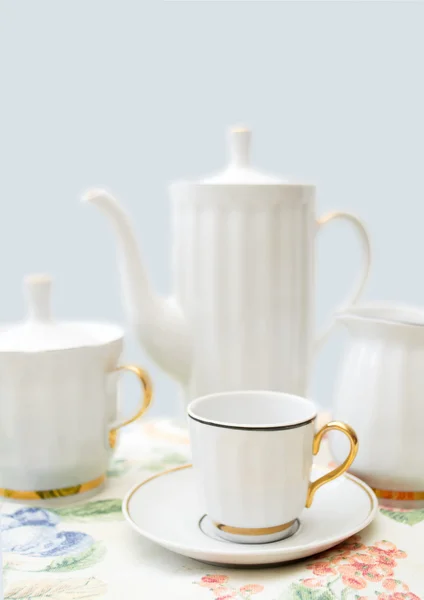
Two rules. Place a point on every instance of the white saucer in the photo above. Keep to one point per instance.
(164, 509)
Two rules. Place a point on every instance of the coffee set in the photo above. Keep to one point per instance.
(238, 336)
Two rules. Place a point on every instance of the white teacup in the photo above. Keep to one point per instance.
(252, 454)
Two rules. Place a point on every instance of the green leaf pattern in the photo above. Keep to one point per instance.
(118, 467)
(405, 517)
(104, 510)
(297, 591)
(81, 561)
(56, 589)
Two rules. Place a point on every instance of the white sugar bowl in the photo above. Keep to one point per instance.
(58, 401)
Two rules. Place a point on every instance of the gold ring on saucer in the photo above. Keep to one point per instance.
(253, 530)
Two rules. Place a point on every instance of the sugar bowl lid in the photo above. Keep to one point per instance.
(40, 332)
(239, 170)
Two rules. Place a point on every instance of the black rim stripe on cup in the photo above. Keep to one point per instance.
(263, 428)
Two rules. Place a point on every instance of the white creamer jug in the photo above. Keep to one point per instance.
(380, 391)
(242, 313)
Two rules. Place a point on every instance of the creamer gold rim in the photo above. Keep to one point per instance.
(398, 495)
(369, 492)
(54, 493)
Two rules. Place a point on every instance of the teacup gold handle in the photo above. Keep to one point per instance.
(351, 435)
(145, 400)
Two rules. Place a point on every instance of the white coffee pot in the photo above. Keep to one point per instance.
(380, 391)
(58, 401)
(242, 313)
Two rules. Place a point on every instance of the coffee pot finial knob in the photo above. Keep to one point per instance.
(38, 292)
(240, 146)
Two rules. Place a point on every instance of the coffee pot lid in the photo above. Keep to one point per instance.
(40, 332)
(239, 170)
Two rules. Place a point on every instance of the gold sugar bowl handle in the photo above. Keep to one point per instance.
(146, 400)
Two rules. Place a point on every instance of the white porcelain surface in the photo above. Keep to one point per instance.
(241, 315)
(40, 332)
(252, 455)
(58, 398)
(165, 510)
(380, 392)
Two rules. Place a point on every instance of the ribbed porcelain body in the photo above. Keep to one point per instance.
(240, 314)
(232, 437)
(55, 411)
(58, 400)
(380, 392)
(244, 277)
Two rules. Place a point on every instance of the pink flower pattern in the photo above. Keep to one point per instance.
(355, 571)
(222, 590)
(351, 571)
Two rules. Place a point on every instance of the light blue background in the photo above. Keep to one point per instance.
(132, 95)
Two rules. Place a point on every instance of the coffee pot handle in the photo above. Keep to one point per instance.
(363, 274)
(146, 399)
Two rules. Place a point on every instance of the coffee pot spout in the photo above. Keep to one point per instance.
(158, 322)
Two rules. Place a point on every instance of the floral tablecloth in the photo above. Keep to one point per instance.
(86, 551)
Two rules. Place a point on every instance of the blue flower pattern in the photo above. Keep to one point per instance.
(33, 532)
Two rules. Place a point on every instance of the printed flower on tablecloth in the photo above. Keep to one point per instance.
(222, 590)
(354, 571)
(30, 540)
(32, 531)
(56, 589)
